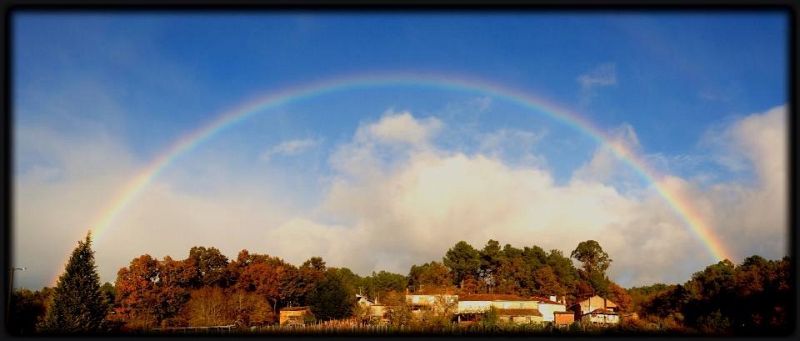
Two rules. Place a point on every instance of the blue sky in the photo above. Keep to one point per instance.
(145, 79)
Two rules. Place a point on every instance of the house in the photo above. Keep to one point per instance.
(374, 310)
(601, 316)
(482, 302)
(511, 308)
(548, 306)
(592, 303)
(431, 302)
(363, 301)
(596, 309)
(293, 316)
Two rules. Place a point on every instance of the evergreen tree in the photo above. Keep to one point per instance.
(78, 304)
(331, 297)
(464, 260)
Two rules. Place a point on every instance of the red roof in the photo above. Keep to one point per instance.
(519, 312)
(543, 300)
(491, 297)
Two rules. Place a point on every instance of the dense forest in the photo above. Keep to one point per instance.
(208, 289)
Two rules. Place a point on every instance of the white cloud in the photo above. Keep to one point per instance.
(513, 146)
(291, 147)
(604, 165)
(431, 198)
(753, 217)
(54, 206)
(600, 76)
(401, 128)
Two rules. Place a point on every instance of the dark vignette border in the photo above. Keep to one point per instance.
(9, 7)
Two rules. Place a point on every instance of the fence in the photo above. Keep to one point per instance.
(194, 330)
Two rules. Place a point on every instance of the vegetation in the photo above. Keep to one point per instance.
(78, 305)
(207, 289)
(754, 297)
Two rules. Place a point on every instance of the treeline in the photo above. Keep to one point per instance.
(753, 297)
(207, 289)
(527, 271)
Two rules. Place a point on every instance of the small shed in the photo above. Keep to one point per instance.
(295, 315)
(563, 318)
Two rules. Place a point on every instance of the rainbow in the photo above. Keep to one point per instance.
(676, 200)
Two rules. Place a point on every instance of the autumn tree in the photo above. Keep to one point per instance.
(620, 296)
(250, 309)
(135, 299)
(547, 283)
(78, 304)
(469, 285)
(210, 266)
(172, 288)
(264, 279)
(209, 306)
(28, 309)
(433, 275)
(513, 276)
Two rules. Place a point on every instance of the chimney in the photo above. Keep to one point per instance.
(553, 298)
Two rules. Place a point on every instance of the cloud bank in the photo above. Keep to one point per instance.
(395, 198)
(411, 210)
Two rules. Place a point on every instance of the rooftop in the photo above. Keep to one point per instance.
(492, 297)
(519, 312)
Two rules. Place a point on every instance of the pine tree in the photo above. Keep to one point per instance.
(78, 304)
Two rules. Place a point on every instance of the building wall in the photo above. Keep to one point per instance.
(548, 310)
(521, 319)
(473, 306)
(600, 318)
(564, 319)
(515, 304)
(596, 302)
(431, 299)
(482, 306)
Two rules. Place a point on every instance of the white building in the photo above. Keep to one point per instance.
(549, 306)
(598, 310)
(511, 308)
